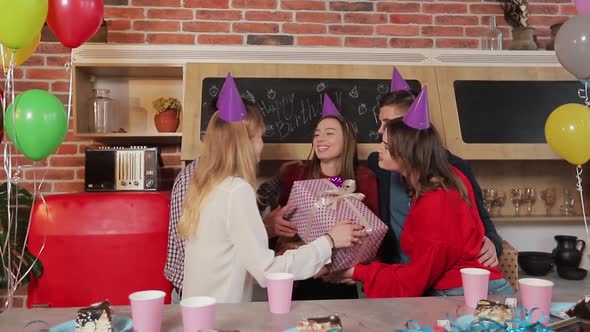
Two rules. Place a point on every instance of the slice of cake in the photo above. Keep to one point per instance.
(493, 310)
(95, 318)
(321, 324)
(581, 309)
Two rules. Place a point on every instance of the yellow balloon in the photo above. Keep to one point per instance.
(21, 21)
(21, 55)
(567, 131)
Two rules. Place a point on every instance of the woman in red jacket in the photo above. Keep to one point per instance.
(333, 155)
(442, 233)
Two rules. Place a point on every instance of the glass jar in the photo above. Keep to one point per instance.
(102, 110)
(492, 38)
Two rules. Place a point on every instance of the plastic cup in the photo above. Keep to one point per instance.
(146, 310)
(536, 293)
(475, 285)
(198, 313)
(280, 288)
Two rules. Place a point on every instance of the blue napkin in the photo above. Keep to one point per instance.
(120, 324)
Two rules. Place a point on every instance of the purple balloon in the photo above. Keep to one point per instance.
(582, 6)
(572, 46)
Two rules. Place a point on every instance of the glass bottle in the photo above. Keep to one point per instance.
(492, 38)
(101, 108)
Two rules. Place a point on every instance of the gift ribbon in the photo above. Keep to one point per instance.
(332, 197)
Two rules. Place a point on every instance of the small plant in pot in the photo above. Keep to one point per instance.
(167, 116)
(517, 15)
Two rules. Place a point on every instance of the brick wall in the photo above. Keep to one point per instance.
(426, 23)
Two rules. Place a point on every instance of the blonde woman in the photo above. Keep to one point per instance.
(227, 244)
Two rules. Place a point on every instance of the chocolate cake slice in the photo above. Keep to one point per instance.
(95, 318)
(331, 323)
(493, 310)
(581, 309)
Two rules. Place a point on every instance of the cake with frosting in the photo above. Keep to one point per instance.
(581, 309)
(493, 310)
(330, 323)
(95, 318)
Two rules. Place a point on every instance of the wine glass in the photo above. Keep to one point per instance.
(531, 198)
(549, 197)
(500, 201)
(567, 208)
(517, 196)
(489, 195)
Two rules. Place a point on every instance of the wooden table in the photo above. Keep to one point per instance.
(357, 315)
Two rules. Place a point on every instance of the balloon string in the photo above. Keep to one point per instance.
(579, 188)
(68, 66)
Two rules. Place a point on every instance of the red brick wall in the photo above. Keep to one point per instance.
(422, 23)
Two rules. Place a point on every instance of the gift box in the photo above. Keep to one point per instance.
(320, 204)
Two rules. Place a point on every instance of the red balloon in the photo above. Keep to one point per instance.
(75, 21)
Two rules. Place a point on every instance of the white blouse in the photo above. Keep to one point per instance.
(230, 250)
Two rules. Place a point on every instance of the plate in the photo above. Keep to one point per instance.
(558, 307)
(120, 324)
(293, 329)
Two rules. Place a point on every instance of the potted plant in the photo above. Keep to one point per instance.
(516, 14)
(167, 116)
(21, 202)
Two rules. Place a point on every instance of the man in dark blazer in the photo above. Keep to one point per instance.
(394, 201)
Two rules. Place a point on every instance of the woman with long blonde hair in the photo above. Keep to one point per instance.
(227, 244)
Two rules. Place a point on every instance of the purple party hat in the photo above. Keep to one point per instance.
(329, 109)
(230, 105)
(397, 82)
(417, 116)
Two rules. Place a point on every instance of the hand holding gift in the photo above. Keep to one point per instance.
(345, 234)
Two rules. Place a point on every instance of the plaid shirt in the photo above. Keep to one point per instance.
(174, 270)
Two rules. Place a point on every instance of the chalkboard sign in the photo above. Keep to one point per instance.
(509, 111)
(292, 106)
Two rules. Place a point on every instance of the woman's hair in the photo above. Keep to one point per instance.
(349, 155)
(402, 98)
(227, 151)
(424, 159)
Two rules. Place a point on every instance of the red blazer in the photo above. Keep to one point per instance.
(442, 234)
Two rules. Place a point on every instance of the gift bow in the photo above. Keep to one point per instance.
(332, 197)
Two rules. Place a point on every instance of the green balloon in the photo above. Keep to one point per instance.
(37, 125)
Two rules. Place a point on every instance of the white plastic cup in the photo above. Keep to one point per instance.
(198, 313)
(280, 288)
(536, 293)
(475, 285)
(147, 308)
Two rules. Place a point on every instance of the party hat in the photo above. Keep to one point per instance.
(397, 82)
(329, 109)
(417, 116)
(230, 105)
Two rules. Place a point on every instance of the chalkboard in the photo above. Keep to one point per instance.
(292, 106)
(509, 111)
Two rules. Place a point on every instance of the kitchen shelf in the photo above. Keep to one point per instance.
(133, 138)
(539, 219)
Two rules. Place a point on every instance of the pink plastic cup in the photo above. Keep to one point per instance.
(536, 293)
(198, 313)
(146, 310)
(280, 287)
(475, 285)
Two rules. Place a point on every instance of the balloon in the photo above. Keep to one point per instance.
(75, 21)
(21, 21)
(36, 123)
(572, 46)
(21, 55)
(582, 6)
(567, 131)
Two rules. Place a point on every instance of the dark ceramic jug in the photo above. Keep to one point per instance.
(567, 252)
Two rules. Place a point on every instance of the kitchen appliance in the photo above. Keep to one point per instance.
(132, 168)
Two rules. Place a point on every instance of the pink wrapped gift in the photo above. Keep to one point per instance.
(319, 205)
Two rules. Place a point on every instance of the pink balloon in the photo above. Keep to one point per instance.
(582, 6)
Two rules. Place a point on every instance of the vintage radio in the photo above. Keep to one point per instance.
(133, 168)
